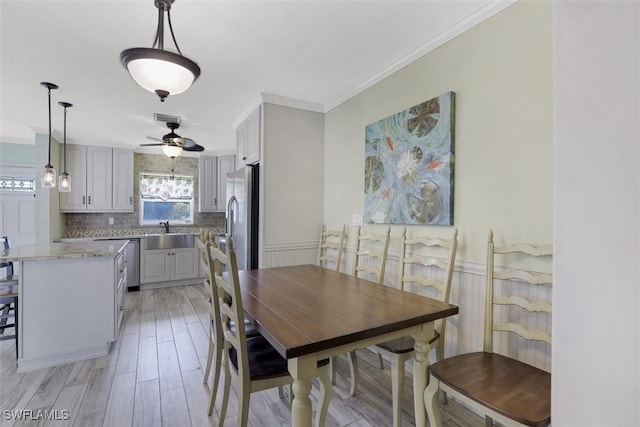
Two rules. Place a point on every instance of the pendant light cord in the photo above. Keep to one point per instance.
(65, 140)
(49, 159)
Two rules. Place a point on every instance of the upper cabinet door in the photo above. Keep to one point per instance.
(99, 179)
(76, 199)
(248, 136)
(252, 152)
(207, 184)
(241, 145)
(122, 180)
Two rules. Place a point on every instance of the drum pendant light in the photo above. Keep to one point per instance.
(64, 182)
(158, 70)
(49, 173)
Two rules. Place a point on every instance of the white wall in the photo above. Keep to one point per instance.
(596, 326)
(501, 72)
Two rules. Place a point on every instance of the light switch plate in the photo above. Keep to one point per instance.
(110, 221)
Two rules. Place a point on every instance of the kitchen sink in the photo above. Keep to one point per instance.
(167, 241)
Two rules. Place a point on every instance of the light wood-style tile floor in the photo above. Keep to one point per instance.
(153, 377)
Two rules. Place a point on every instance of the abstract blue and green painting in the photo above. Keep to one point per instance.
(408, 174)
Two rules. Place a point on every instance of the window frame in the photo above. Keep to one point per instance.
(143, 200)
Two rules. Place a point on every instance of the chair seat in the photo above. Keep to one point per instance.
(507, 386)
(264, 361)
(249, 330)
(403, 344)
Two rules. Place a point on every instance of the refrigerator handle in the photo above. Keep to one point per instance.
(230, 214)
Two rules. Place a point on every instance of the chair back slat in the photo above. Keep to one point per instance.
(501, 291)
(420, 252)
(331, 246)
(372, 257)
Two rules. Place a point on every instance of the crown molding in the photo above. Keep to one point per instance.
(481, 13)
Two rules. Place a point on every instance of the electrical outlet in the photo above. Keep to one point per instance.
(110, 221)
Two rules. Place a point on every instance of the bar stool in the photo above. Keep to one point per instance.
(8, 298)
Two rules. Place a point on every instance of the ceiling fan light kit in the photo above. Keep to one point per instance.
(157, 70)
(172, 143)
(171, 150)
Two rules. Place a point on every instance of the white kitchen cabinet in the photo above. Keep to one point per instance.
(207, 184)
(164, 265)
(90, 169)
(212, 188)
(121, 288)
(122, 180)
(248, 136)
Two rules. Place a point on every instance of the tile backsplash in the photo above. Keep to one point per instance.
(97, 224)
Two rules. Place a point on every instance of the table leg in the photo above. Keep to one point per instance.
(302, 369)
(420, 366)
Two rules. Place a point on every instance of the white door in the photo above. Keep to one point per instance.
(17, 208)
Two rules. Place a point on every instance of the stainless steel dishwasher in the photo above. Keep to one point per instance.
(133, 262)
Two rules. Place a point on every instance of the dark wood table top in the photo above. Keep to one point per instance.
(305, 309)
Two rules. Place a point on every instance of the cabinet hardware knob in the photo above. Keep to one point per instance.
(83, 199)
(130, 200)
(89, 199)
(244, 158)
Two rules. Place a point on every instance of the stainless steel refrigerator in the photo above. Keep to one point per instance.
(242, 215)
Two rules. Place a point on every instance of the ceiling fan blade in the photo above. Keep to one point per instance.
(188, 142)
(153, 138)
(194, 148)
(151, 145)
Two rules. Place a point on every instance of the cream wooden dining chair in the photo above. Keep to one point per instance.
(425, 262)
(216, 339)
(251, 362)
(370, 259)
(8, 298)
(331, 246)
(216, 336)
(501, 387)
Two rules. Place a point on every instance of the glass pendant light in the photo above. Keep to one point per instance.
(158, 70)
(49, 173)
(64, 182)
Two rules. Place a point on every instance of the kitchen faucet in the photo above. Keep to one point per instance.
(166, 226)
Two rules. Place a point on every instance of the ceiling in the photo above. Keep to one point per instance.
(319, 52)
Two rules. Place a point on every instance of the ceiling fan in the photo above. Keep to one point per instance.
(172, 143)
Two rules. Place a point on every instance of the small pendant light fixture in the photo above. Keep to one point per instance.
(49, 173)
(64, 182)
(158, 70)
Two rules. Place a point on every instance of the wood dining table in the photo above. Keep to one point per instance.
(309, 313)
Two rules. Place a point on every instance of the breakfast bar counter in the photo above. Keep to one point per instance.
(70, 300)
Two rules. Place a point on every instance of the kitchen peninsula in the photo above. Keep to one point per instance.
(70, 300)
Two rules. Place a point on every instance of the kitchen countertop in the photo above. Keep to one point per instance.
(60, 250)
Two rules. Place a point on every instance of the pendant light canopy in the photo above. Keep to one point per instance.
(49, 173)
(64, 182)
(158, 70)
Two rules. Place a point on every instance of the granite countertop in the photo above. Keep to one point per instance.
(76, 249)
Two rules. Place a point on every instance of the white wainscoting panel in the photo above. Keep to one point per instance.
(284, 254)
